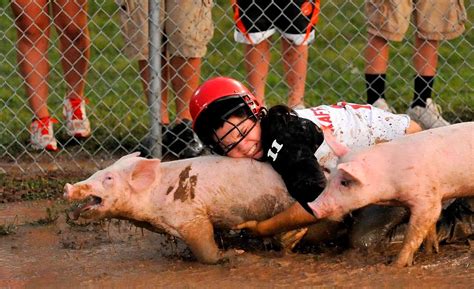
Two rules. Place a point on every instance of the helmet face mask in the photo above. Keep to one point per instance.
(225, 149)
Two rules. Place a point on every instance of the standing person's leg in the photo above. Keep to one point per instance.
(145, 78)
(296, 21)
(422, 108)
(425, 60)
(33, 23)
(254, 25)
(386, 21)
(257, 61)
(184, 75)
(295, 61)
(70, 18)
(376, 64)
(442, 20)
(189, 29)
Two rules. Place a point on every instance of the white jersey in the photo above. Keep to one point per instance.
(355, 126)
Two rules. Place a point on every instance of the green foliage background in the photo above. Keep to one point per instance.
(118, 111)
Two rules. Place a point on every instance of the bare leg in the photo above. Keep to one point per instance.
(413, 127)
(295, 61)
(70, 18)
(145, 77)
(376, 55)
(257, 61)
(185, 74)
(425, 59)
(33, 22)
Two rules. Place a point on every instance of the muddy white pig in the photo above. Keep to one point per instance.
(186, 198)
(418, 171)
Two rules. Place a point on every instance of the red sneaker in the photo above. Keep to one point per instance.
(77, 123)
(42, 135)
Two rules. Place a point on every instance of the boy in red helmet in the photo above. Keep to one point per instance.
(231, 121)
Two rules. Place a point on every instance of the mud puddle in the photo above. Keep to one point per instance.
(47, 251)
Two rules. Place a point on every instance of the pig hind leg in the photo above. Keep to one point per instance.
(199, 236)
(431, 240)
(422, 221)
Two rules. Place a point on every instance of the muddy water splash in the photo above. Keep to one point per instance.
(116, 254)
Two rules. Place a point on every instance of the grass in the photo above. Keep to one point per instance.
(335, 72)
(8, 229)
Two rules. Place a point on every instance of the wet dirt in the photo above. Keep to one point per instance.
(41, 248)
(119, 255)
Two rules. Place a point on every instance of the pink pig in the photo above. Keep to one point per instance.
(185, 198)
(418, 171)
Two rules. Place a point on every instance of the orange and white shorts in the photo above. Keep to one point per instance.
(187, 24)
(256, 21)
(433, 19)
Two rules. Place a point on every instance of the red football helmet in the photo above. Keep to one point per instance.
(220, 88)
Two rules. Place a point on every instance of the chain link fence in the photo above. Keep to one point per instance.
(119, 109)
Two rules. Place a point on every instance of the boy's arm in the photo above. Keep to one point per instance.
(292, 218)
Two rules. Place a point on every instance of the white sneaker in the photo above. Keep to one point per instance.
(77, 123)
(429, 116)
(382, 104)
(298, 107)
(42, 134)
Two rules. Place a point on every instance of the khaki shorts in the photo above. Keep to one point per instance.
(433, 19)
(187, 24)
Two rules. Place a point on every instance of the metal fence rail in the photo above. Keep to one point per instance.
(118, 109)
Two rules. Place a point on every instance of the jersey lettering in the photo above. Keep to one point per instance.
(277, 147)
(322, 116)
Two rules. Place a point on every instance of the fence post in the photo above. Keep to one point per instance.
(154, 60)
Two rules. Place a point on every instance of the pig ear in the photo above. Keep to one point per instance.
(144, 174)
(338, 148)
(352, 171)
(135, 154)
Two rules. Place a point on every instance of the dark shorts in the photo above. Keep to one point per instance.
(257, 20)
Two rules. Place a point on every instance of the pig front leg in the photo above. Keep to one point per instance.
(421, 222)
(199, 236)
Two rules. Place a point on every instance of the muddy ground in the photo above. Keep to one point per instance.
(41, 248)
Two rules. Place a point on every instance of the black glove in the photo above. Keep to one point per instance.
(289, 143)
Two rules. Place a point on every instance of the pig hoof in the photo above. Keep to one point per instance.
(229, 256)
(402, 262)
(431, 241)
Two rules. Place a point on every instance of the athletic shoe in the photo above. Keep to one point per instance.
(429, 116)
(298, 107)
(382, 104)
(77, 123)
(146, 145)
(42, 135)
(181, 141)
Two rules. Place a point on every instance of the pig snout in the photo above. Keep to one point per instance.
(76, 191)
(326, 207)
(319, 208)
(67, 191)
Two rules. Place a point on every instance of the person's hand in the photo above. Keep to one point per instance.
(288, 240)
(251, 226)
